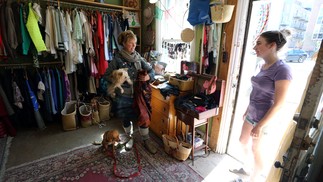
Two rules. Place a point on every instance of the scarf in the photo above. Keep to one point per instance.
(133, 57)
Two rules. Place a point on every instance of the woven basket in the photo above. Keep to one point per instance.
(170, 143)
(104, 109)
(178, 149)
(183, 151)
(85, 115)
(69, 116)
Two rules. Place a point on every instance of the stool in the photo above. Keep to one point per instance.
(193, 123)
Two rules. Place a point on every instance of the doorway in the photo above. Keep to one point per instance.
(299, 17)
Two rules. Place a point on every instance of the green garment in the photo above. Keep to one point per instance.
(25, 36)
(34, 32)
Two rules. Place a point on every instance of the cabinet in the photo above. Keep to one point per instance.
(163, 118)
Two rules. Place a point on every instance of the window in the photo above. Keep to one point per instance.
(168, 27)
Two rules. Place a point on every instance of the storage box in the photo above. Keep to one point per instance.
(183, 85)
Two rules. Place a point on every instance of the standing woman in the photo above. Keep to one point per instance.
(123, 103)
(269, 91)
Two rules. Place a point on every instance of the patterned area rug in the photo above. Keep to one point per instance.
(90, 163)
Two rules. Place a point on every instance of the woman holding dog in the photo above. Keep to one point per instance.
(133, 63)
(269, 91)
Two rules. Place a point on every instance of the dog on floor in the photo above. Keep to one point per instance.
(119, 77)
(110, 138)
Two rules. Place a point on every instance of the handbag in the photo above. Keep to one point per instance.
(221, 13)
(180, 150)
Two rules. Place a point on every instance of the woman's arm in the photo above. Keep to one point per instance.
(150, 70)
(281, 89)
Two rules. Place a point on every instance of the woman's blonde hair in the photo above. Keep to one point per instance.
(125, 36)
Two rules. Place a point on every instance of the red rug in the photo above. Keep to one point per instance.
(91, 164)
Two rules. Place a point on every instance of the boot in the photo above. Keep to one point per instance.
(129, 132)
(144, 132)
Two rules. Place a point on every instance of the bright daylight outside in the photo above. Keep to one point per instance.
(305, 21)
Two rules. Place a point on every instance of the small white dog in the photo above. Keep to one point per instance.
(118, 78)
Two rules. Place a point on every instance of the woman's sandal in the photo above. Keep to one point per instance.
(239, 171)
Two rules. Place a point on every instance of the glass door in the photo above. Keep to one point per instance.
(300, 17)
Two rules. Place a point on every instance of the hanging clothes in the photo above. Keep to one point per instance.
(26, 41)
(103, 64)
(33, 29)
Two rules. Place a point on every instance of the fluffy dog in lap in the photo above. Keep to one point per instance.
(119, 77)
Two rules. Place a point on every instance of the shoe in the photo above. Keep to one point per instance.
(150, 146)
(129, 144)
(239, 171)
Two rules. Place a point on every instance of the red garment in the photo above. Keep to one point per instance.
(142, 98)
(102, 64)
(6, 123)
(205, 57)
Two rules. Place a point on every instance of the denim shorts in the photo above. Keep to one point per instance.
(253, 123)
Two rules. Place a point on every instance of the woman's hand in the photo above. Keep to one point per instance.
(144, 77)
(255, 132)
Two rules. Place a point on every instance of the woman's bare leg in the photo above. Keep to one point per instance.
(245, 141)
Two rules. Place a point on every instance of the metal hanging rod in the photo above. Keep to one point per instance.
(91, 5)
(23, 65)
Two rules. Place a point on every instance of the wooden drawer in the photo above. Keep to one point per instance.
(160, 105)
(159, 123)
(156, 93)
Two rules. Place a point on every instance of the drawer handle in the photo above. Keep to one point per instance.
(164, 109)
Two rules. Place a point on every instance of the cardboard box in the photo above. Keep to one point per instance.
(183, 85)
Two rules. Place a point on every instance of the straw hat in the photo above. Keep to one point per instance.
(187, 35)
(148, 15)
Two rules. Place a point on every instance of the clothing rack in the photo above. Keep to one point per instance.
(24, 65)
(90, 5)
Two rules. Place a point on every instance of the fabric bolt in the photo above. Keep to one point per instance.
(263, 89)
(34, 32)
(26, 41)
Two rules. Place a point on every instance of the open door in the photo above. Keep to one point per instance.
(273, 15)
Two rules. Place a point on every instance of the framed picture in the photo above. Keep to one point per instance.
(133, 18)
